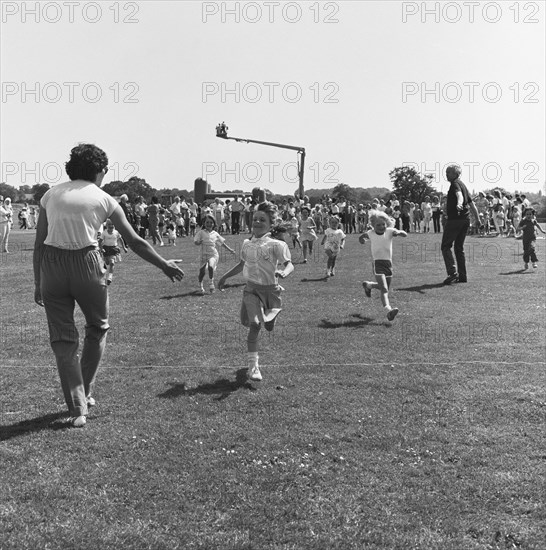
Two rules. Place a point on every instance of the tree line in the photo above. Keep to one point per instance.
(407, 184)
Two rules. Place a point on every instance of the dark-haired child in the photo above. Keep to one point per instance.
(263, 259)
(528, 226)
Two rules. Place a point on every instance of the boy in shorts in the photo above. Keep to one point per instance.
(381, 237)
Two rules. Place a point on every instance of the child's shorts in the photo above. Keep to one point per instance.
(261, 303)
(382, 267)
(111, 253)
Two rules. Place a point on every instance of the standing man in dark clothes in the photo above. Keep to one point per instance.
(459, 205)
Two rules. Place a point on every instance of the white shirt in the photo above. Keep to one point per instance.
(75, 212)
(261, 257)
(110, 239)
(5, 214)
(175, 208)
(208, 242)
(333, 238)
(381, 244)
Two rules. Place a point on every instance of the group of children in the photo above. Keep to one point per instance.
(265, 257)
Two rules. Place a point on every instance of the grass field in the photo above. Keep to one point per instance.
(424, 433)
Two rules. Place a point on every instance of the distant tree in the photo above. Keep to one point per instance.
(345, 191)
(22, 193)
(8, 191)
(134, 187)
(116, 188)
(410, 185)
(364, 197)
(39, 190)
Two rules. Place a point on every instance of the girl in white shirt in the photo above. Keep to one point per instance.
(111, 241)
(263, 260)
(333, 241)
(308, 235)
(206, 238)
(381, 240)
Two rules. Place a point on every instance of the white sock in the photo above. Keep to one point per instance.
(388, 308)
(252, 358)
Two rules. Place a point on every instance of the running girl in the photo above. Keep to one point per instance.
(294, 229)
(308, 235)
(263, 260)
(111, 241)
(207, 237)
(381, 240)
(333, 241)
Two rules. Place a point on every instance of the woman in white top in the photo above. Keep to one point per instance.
(69, 269)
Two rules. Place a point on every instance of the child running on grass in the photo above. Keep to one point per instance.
(308, 235)
(333, 241)
(171, 234)
(263, 260)
(381, 240)
(294, 228)
(207, 237)
(527, 226)
(111, 241)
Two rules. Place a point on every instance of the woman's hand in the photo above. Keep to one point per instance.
(173, 271)
(38, 296)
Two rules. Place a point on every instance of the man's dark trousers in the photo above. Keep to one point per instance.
(455, 232)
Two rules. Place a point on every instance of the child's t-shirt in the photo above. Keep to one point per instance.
(261, 257)
(208, 241)
(333, 238)
(110, 239)
(381, 244)
(528, 228)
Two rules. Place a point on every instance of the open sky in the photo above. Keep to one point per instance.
(363, 86)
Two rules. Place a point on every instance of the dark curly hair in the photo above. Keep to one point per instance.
(270, 209)
(86, 161)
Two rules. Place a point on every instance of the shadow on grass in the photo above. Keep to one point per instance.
(307, 280)
(421, 288)
(361, 321)
(46, 422)
(196, 293)
(191, 294)
(517, 272)
(223, 387)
